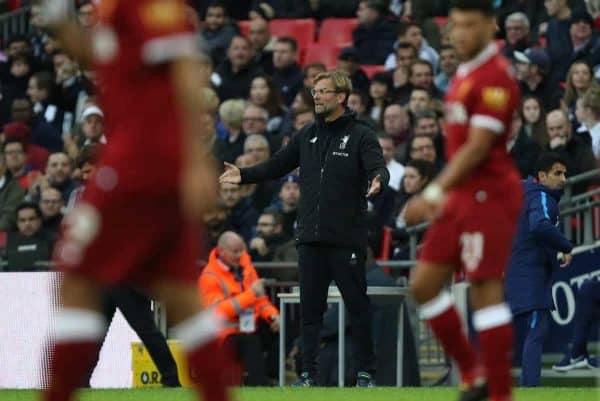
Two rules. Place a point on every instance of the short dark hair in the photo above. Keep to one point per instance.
(545, 162)
(419, 62)
(45, 81)
(446, 47)
(406, 45)
(486, 7)
(427, 113)
(405, 26)
(362, 95)
(308, 66)
(30, 205)
(288, 40)
(14, 140)
(277, 218)
(218, 4)
(425, 168)
(16, 38)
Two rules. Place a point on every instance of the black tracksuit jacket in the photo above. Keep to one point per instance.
(337, 161)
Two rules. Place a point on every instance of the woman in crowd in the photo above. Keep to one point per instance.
(580, 78)
(264, 94)
(533, 117)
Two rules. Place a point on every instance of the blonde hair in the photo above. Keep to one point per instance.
(341, 82)
(571, 94)
(231, 112)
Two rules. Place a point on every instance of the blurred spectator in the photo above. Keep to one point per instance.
(51, 204)
(380, 92)
(522, 148)
(41, 90)
(260, 195)
(576, 152)
(28, 245)
(533, 10)
(42, 133)
(448, 66)
(264, 94)
(417, 175)
(586, 45)
(74, 87)
(36, 156)
(412, 33)
(11, 195)
(396, 124)
(303, 100)
(287, 204)
(37, 35)
(418, 101)
(374, 36)
(395, 169)
(426, 123)
(218, 30)
(533, 118)
(262, 43)
(404, 54)
(287, 74)
(58, 175)
(230, 283)
(348, 62)
(303, 116)
(215, 224)
(86, 162)
(579, 79)
(233, 76)
(16, 163)
(17, 76)
(257, 146)
(533, 66)
(92, 126)
(87, 14)
(420, 75)
(422, 147)
(269, 235)
(591, 107)
(333, 8)
(310, 71)
(231, 114)
(357, 102)
(242, 216)
(558, 39)
(518, 34)
(255, 121)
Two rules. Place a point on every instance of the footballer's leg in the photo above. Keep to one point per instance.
(493, 321)
(79, 330)
(198, 332)
(437, 307)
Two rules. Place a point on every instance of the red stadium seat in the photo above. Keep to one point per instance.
(326, 54)
(337, 31)
(244, 27)
(440, 21)
(371, 70)
(303, 30)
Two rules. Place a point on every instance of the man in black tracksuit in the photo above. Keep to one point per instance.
(341, 164)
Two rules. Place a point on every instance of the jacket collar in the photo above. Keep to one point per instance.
(532, 184)
(339, 122)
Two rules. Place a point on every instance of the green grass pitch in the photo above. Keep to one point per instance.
(315, 394)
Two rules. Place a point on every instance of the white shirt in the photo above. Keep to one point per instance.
(595, 134)
(396, 171)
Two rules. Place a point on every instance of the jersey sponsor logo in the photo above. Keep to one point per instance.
(495, 97)
(456, 113)
(163, 14)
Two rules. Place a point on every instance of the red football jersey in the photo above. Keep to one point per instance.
(484, 93)
(132, 46)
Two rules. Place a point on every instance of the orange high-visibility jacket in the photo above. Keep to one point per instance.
(220, 290)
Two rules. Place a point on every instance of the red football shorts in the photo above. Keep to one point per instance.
(474, 234)
(115, 236)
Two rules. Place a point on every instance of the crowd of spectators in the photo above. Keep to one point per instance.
(260, 97)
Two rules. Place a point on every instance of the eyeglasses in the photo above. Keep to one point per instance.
(321, 92)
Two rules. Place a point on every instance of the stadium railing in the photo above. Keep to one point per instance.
(14, 23)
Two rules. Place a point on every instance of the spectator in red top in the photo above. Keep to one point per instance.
(36, 156)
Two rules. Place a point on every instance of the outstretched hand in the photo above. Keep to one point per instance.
(231, 175)
(375, 187)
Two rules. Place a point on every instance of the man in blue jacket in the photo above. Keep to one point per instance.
(533, 259)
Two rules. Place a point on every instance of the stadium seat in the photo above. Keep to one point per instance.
(303, 30)
(440, 21)
(244, 27)
(371, 70)
(326, 54)
(337, 31)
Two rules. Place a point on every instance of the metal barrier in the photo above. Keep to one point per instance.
(580, 213)
(14, 23)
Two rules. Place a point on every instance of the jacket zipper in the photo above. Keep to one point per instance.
(320, 185)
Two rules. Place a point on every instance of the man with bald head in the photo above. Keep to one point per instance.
(576, 152)
(262, 43)
(229, 282)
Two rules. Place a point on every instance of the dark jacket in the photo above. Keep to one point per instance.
(289, 80)
(232, 85)
(374, 43)
(535, 246)
(525, 153)
(217, 42)
(11, 194)
(337, 160)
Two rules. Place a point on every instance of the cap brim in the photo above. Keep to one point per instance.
(521, 57)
